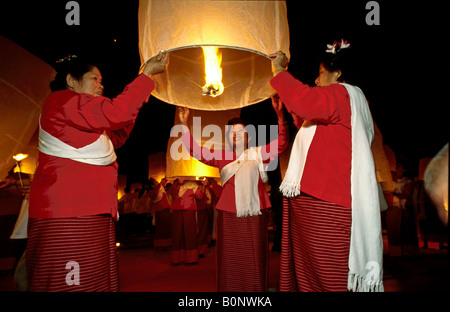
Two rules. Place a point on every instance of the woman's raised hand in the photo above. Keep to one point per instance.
(157, 64)
(279, 62)
(183, 114)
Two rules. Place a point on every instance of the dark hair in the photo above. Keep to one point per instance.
(342, 60)
(74, 66)
(235, 121)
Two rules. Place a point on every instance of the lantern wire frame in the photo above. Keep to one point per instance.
(264, 91)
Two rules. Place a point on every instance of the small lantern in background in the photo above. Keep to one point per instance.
(18, 158)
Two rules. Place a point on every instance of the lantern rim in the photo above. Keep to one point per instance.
(215, 45)
(259, 54)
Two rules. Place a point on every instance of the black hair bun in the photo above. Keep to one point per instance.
(339, 57)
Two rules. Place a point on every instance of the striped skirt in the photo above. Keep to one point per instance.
(72, 254)
(184, 237)
(202, 225)
(242, 253)
(315, 245)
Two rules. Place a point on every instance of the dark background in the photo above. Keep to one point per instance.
(403, 64)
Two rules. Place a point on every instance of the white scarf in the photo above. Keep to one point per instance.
(366, 243)
(100, 153)
(246, 170)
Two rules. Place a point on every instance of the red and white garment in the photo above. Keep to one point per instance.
(366, 245)
(246, 170)
(99, 153)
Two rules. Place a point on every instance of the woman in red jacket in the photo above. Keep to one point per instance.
(241, 224)
(73, 199)
(331, 238)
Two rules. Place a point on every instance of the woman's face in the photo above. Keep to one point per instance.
(238, 136)
(326, 77)
(90, 83)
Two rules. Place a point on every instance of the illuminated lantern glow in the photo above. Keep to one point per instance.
(436, 182)
(24, 84)
(213, 72)
(244, 32)
(20, 156)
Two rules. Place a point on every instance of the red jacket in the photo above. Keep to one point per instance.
(205, 198)
(328, 166)
(163, 203)
(66, 188)
(187, 199)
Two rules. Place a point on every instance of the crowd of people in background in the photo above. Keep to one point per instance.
(178, 214)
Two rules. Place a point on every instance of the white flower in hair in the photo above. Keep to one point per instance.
(341, 45)
(344, 44)
(331, 48)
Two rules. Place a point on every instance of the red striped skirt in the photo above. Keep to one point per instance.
(72, 254)
(242, 253)
(202, 225)
(184, 237)
(315, 245)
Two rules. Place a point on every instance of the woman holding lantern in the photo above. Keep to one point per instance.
(242, 239)
(73, 199)
(331, 238)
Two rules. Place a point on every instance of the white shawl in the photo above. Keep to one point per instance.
(246, 170)
(100, 153)
(366, 244)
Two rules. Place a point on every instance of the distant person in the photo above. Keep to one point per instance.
(184, 222)
(162, 216)
(204, 209)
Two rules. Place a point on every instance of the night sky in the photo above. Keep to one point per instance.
(403, 63)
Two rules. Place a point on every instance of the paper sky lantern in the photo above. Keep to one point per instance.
(206, 37)
(24, 84)
(157, 166)
(436, 183)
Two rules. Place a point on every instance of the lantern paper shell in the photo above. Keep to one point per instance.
(24, 84)
(246, 32)
(436, 183)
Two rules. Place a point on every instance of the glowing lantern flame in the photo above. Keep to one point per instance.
(213, 72)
